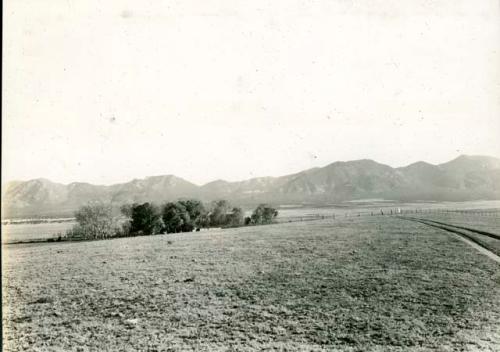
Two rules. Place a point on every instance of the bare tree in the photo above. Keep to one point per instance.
(95, 221)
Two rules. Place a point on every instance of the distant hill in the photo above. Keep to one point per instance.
(464, 178)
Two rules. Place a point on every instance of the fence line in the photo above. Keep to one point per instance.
(389, 212)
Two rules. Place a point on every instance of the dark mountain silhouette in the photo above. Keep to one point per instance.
(464, 178)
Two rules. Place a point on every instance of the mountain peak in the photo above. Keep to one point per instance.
(472, 162)
(41, 180)
(418, 165)
(216, 182)
(157, 177)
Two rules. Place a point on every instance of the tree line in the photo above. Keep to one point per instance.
(98, 220)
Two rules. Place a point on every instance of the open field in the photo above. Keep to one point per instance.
(487, 221)
(355, 284)
(468, 222)
(354, 208)
(487, 240)
(33, 232)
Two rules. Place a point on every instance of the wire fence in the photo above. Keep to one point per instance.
(495, 213)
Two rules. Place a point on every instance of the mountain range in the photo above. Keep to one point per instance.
(461, 179)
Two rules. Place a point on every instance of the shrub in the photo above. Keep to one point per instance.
(221, 214)
(184, 216)
(176, 218)
(94, 221)
(235, 218)
(218, 213)
(195, 210)
(263, 214)
(145, 219)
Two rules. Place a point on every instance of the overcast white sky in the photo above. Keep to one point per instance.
(107, 91)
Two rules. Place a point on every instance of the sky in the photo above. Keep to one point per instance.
(107, 91)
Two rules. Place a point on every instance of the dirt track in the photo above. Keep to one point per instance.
(467, 235)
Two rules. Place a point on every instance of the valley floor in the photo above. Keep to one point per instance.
(353, 284)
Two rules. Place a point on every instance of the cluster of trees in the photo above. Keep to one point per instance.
(180, 216)
(97, 221)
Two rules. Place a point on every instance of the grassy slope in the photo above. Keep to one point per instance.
(374, 283)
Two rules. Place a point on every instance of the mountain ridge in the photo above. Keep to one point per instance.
(467, 177)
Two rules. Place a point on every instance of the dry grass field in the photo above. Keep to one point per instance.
(34, 232)
(475, 220)
(355, 284)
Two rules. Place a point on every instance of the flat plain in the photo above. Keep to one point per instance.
(34, 232)
(375, 283)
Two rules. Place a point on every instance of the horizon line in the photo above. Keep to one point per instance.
(4, 183)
